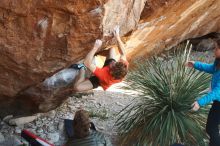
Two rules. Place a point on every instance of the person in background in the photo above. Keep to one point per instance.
(213, 96)
(84, 135)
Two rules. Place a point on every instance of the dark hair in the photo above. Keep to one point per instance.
(217, 60)
(119, 70)
(217, 63)
(218, 43)
(81, 124)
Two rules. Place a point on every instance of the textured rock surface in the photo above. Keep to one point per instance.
(173, 23)
(39, 38)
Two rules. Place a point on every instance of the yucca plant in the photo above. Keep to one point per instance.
(160, 114)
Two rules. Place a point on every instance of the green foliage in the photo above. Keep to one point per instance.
(160, 114)
(100, 113)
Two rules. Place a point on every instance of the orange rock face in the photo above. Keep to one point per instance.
(40, 38)
(172, 23)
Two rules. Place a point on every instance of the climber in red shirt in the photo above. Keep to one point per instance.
(112, 72)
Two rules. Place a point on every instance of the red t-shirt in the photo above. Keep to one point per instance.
(105, 78)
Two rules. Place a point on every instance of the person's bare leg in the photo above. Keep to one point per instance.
(86, 85)
(81, 83)
(81, 77)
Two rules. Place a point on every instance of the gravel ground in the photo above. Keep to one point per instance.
(102, 106)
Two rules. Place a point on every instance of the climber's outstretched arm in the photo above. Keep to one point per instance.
(120, 43)
(88, 60)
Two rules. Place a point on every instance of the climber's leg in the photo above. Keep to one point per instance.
(82, 84)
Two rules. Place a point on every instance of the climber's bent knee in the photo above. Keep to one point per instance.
(83, 86)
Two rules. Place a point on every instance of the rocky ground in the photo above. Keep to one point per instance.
(102, 106)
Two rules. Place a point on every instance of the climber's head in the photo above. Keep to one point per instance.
(119, 69)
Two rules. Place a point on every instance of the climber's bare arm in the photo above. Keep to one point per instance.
(120, 43)
(88, 60)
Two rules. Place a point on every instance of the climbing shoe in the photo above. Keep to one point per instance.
(78, 66)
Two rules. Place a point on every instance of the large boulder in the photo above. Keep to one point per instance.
(40, 38)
